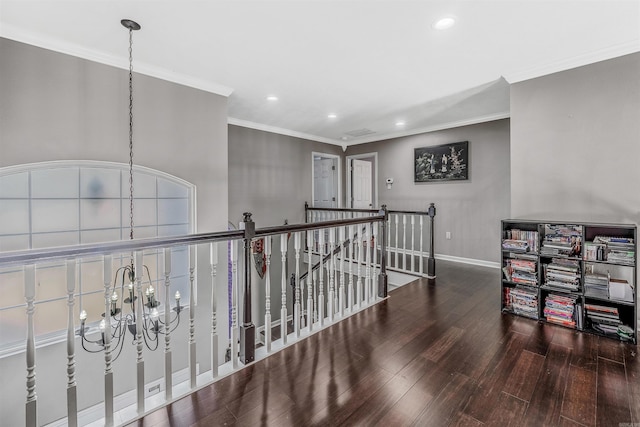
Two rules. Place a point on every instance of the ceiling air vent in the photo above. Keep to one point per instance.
(360, 132)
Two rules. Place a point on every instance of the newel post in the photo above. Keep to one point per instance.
(382, 277)
(247, 329)
(431, 265)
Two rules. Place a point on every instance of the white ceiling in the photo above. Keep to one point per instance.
(372, 63)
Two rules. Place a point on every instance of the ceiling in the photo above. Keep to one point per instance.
(371, 63)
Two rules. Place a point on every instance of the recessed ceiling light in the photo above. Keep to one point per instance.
(444, 23)
(272, 98)
(400, 123)
(332, 116)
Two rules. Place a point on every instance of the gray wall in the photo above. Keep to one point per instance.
(575, 144)
(54, 107)
(471, 210)
(270, 175)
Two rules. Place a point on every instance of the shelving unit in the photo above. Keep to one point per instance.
(577, 275)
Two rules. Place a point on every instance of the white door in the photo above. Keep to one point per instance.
(325, 183)
(361, 189)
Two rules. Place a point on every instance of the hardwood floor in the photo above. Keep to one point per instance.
(431, 355)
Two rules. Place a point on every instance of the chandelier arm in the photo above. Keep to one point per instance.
(96, 342)
(119, 346)
(177, 320)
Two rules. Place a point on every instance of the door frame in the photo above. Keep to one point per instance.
(315, 154)
(374, 184)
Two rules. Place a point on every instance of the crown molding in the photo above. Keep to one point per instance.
(434, 128)
(574, 62)
(281, 131)
(13, 33)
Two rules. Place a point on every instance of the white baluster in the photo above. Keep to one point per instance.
(367, 248)
(352, 248)
(421, 251)
(235, 330)
(139, 269)
(215, 345)
(343, 253)
(267, 290)
(396, 265)
(168, 370)
(389, 239)
(332, 292)
(72, 399)
(298, 290)
(107, 267)
(310, 280)
(404, 242)
(374, 262)
(360, 245)
(30, 294)
(413, 248)
(192, 316)
(283, 290)
(321, 278)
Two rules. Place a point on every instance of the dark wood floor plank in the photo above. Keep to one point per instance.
(540, 338)
(546, 402)
(613, 394)
(496, 375)
(632, 364)
(611, 349)
(579, 403)
(432, 354)
(463, 420)
(585, 352)
(524, 375)
(380, 403)
(451, 400)
(443, 344)
(508, 411)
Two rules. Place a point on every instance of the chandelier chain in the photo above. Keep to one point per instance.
(131, 132)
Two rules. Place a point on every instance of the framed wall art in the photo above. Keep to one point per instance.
(446, 162)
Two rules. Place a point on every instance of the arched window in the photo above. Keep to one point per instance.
(68, 203)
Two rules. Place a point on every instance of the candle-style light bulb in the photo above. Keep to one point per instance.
(103, 325)
(177, 296)
(83, 316)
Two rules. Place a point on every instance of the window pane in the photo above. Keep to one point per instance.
(173, 211)
(100, 213)
(100, 183)
(15, 186)
(48, 240)
(14, 243)
(144, 185)
(13, 325)
(61, 183)
(51, 282)
(14, 216)
(171, 189)
(54, 215)
(12, 286)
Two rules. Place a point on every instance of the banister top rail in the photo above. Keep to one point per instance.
(309, 208)
(56, 253)
(409, 212)
(266, 231)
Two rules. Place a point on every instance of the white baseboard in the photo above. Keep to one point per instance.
(472, 261)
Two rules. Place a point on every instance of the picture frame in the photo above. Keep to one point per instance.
(439, 163)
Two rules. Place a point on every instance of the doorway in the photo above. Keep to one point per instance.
(326, 180)
(362, 181)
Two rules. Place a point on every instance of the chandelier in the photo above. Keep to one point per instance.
(127, 301)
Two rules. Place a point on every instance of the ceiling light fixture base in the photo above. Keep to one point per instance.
(129, 24)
